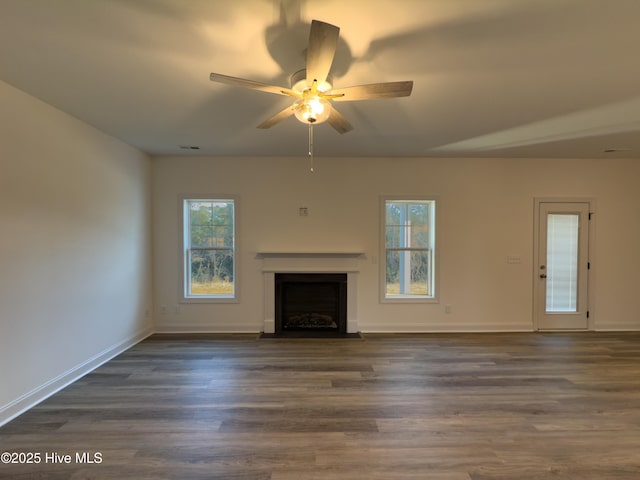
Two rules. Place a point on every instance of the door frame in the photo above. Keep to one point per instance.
(537, 261)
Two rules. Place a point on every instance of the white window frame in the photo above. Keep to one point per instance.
(433, 298)
(184, 269)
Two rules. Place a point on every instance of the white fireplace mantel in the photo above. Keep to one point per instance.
(278, 253)
(309, 262)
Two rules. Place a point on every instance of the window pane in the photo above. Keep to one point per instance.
(408, 272)
(393, 236)
(201, 236)
(212, 237)
(419, 236)
(211, 213)
(199, 213)
(222, 237)
(562, 262)
(407, 225)
(419, 213)
(209, 248)
(409, 238)
(211, 272)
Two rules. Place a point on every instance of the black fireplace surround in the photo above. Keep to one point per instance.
(310, 303)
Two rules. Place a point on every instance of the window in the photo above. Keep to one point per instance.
(409, 250)
(209, 249)
(562, 262)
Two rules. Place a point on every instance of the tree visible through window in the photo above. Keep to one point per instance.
(409, 240)
(209, 242)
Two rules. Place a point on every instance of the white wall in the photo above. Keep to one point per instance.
(485, 213)
(75, 263)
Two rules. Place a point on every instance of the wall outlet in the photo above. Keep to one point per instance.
(163, 309)
(303, 211)
(176, 309)
(447, 309)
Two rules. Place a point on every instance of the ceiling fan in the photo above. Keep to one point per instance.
(312, 87)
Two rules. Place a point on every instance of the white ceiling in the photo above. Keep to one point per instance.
(498, 78)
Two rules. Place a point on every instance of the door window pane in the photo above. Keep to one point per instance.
(562, 262)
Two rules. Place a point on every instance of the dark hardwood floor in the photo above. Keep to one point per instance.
(438, 407)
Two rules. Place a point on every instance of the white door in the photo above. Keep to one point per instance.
(562, 267)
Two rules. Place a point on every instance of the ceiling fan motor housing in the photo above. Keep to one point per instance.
(300, 83)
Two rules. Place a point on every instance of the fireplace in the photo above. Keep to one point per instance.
(308, 303)
(282, 263)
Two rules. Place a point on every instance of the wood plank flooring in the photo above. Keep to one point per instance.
(438, 407)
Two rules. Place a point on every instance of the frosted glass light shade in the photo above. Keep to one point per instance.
(312, 109)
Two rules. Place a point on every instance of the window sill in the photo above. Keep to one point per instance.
(409, 299)
(203, 299)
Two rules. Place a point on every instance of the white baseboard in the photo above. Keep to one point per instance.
(445, 328)
(30, 399)
(366, 328)
(198, 328)
(617, 327)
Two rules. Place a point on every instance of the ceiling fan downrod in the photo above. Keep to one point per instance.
(311, 147)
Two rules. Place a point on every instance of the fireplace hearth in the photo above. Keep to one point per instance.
(310, 304)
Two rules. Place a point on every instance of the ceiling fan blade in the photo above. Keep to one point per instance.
(278, 117)
(323, 41)
(252, 84)
(374, 90)
(337, 121)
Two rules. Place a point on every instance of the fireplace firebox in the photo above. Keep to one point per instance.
(310, 303)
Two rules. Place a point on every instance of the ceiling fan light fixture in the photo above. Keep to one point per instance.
(312, 109)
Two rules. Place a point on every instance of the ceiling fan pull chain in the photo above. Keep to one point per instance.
(311, 147)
